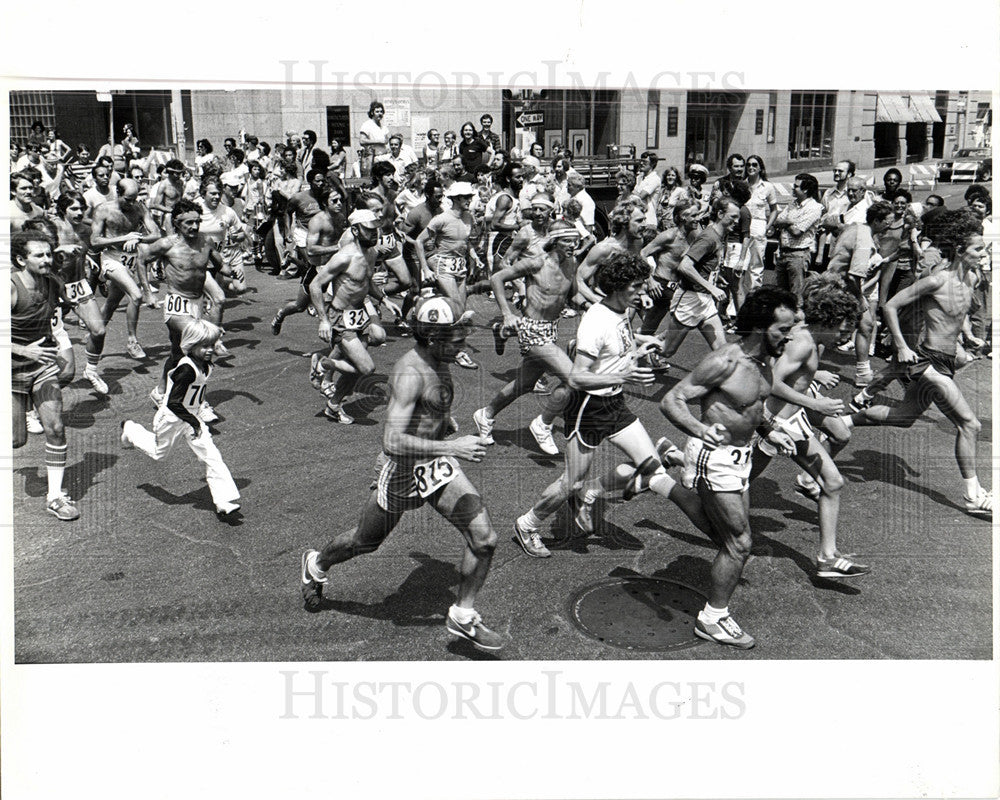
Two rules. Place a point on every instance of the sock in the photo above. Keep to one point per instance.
(55, 467)
(662, 484)
(313, 569)
(529, 521)
(463, 615)
(92, 359)
(972, 488)
(590, 496)
(863, 366)
(712, 615)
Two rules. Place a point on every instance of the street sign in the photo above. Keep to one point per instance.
(523, 120)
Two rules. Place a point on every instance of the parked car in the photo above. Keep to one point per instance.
(968, 164)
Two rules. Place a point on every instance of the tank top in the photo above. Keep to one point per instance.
(195, 393)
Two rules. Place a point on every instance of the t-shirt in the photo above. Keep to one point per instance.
(377, 136)
(606, 336)
(588, 207)
(94, 198)
(472, 154)
(449, 234)
(705, 253)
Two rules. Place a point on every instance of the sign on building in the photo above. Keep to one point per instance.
(397, 112)
(338, 124)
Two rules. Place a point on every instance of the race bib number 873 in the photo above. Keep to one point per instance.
(430, 476)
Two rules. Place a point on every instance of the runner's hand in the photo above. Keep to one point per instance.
(325, 329)
(36, 352)
(469, 448)
(906, 356)
(643, 376)
(147, 299)
(131, 242)
(717, 294)
(510, 323)
(782, 441)
(654, 289)
(826, 379)
(828, 406)
(394, 309)
(715, 433)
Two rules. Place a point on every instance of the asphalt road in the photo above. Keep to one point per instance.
(149, 574)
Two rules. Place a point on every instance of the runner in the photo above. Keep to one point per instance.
(346, 325)
(503, 215)
(191, 289)
(420, 466)
(222, 227)
(177, 416)
(830, 315)
(301, 208)
(695, 303)
(120, 226)
(35, 293)
(604, 361)
(626, 236)
(22, 208)
(946, 297)
(550, 281)
(167, 192)
(416, 221)
(447, 237)
(731, 384)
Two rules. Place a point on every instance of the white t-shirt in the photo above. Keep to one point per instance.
(606, 336)
(377, 136)
(647, 186)
(94, 198)
(587, 202)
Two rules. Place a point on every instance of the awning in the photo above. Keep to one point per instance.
(922, 107)
(892, 107)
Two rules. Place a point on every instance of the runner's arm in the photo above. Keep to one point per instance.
(586, 271)
(313, 248)
(405, 388)
(707, 376)
(325, 274)
(510, 273)
(909, 295)
(183, 377)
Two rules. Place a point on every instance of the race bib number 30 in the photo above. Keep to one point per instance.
(355, 318)
(429, 476)
(78, 291)
(175, 305)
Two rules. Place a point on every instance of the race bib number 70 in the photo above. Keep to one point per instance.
(430, 476)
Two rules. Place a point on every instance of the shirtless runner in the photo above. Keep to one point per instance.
(421, 466)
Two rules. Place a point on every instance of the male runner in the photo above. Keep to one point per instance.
(421, 466)
(34, 296)
(120, 226)
(731, 384)
(191, 290)
(830, 315)
(946, 297)
(167, 192)
(626, 235)
(346, 324)
(301, 208)
(550, 281)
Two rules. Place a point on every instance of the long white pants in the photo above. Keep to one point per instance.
(167, 429)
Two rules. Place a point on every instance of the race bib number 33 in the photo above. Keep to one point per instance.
(431, 475)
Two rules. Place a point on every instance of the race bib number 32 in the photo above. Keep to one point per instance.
(429, 476)
(355, 318)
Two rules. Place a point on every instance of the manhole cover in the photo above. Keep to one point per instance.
(647, 614)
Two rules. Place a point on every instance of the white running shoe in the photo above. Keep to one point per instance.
(484, 425)
(206, 413)
(33, 421)
(982, 503)
(91, 374)
(543, 435)
(156, 396)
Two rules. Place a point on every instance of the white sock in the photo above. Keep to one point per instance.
(529, 521)
(313, 569)
(712, 615)
(972, 487)
(463, 615)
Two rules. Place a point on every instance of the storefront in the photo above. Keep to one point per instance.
(584, 120)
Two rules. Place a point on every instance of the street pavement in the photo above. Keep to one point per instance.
(149, 573)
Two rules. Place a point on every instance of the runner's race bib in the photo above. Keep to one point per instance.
(355, 318)
(78, 291)
(177, 306)
(452, 265)
(431, 475)
(128, 259)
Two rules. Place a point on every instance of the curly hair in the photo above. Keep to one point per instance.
(950, 231)
(20, 240)
(757, 311)
(826, 303)
(620, 271)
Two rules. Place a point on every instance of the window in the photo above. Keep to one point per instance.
(653, 119)
(28, 107)
(672, 113)
(810, 126)
(758, 125)
(772, 116)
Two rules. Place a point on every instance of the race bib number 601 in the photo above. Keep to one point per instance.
(177, 306)
(430, 476)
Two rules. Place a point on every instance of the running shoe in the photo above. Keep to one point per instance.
(484, 425)
(846, 347)
(980, 504)
(530, 542)
(221, 351)
(316, 372)
(276, 324)
(336, 413)
(126, 442)
(33, 422)
(543, 385)
(499, 340)
(134, 349)
(669, 453)
(312, 588)
(806, 486)
(90, 373)
(543, 435)
(840, 567)
(63, 508)
(206, 413)
(583, 513)
(475, 631)
(725, 631)
(860, 401)
(310, 311)
(156, 396)
(465, 361)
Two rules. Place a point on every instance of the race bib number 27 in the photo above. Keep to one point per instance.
(430, 476)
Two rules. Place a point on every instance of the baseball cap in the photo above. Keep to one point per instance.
(460, 189)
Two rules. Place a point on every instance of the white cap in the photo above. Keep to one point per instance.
(436, 311)
(459, 189)
(362, 216)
